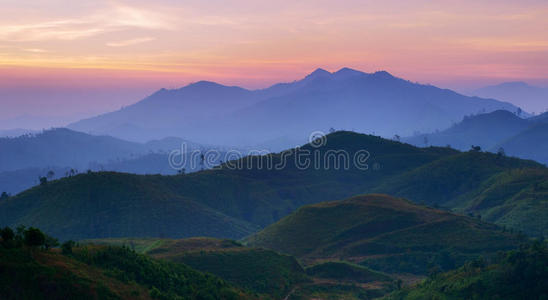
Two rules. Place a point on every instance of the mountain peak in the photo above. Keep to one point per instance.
(318, 73)
(204, 83)
(347, 72)
(383, 74)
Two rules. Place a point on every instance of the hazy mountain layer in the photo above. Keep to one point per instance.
(211, 113)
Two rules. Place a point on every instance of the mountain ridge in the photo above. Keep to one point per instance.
(317, 101)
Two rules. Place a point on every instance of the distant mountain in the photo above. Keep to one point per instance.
(232, 201)
(530, 144)
(499, 130)
(16, 132)
(484, 130)
(530, 98)
(63, 148)
(166, 112)
(382, 232)
(24, 159)
(211, 113)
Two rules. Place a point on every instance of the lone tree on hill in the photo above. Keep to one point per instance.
(475, 148)
(501, 152)
(33, 237)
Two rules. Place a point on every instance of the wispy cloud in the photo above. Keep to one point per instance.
(34, 50)
(110, 20)
(130, 42)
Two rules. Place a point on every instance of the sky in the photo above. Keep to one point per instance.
(68, 59)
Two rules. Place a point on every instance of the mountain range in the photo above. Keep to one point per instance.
(497, 131)
(533, 98)
(283, 115)
(26, 158)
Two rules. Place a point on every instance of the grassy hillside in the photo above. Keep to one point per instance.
(515, 275)
(264, 272)
(233, 202)
(385, 233)
(261, 271)
(103, 273)
(218, 203)
(345, 271)
(516, 199)
(114, 204)
(504, 190)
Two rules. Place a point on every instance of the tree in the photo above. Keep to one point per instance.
(4, 196)
(475, 148)
(66, 247)
(396, 137)
(50, 174)
(33, 237)
(518, 112)
(501, 152)
(425, 140)
(43, 180)
(7, 234)
(50, 242)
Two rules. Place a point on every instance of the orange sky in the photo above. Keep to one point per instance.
(103, 44)
(254, 43)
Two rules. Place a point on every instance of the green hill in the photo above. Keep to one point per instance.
(507, 191)
(261, 271)
(345, 271)
(103, 273)
(384, 233)
(114, 204)
(264, 272)
(516, 275)
(230, 202)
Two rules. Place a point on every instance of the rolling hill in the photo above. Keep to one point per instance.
(114, 205)
(507, 191)
(103, 273)
(231, 202)
(516, 275)
(384, 233)
(210, 113)
(261, 271)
